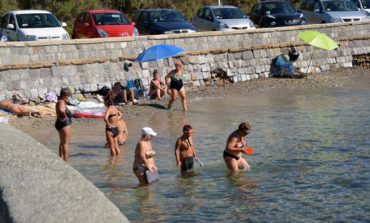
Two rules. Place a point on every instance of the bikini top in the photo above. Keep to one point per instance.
(149, 154)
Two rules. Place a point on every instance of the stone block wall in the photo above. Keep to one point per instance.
(35, 68)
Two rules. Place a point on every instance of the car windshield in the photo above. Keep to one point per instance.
(366, 4)
(39, 20)
(229, 13)
(102, 19)
(339, 6)
(278, 8)
(167, 16)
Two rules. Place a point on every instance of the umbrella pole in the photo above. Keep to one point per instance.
(309, 63)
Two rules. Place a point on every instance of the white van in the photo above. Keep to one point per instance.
(32, 25)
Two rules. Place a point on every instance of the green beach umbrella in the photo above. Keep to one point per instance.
(319, 40)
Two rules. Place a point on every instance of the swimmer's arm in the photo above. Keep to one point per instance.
(142, 154)
(232, 145)
(177, 152)
(119, 114)
(61, 109)
(107, 113)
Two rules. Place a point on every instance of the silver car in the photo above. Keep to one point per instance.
(328, 11)
(221, 18)
(363, 4)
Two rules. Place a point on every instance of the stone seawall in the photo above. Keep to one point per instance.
(37, 186)
(35, 68)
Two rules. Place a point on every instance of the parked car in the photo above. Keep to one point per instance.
(274, 13)
(328, 11)
(221, 18)
(363, 4)
(161, 21)
(32, 25)
(103, 23)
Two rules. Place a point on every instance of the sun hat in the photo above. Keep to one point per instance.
(148, 131)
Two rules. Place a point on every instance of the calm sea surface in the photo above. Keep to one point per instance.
(311, 161)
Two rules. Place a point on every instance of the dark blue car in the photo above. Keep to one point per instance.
(161, 21)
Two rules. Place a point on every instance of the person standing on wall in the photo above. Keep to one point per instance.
(63, 122)
(174, 80)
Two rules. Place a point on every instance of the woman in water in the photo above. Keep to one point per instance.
(144, 156)
(236, 142)
(174, 78)
(63, 122)
(112, 116)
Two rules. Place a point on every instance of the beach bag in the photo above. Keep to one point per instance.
(103, 91)
(151, 176)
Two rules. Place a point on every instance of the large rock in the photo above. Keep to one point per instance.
(37, 186)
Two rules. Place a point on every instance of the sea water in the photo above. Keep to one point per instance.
(311, 160)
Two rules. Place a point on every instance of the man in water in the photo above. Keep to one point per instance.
(235, 144)
(185, 150)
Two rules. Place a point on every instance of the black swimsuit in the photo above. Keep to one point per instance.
(176, 83)
(187, 162)
(229, 154)
(61, 124)
(114, 131)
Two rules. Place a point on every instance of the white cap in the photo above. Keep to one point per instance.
(148, 131)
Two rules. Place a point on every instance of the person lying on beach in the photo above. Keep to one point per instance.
(235, 144)
(19, 110)
(144, 156)
(157, 86)
(185, 150)
(112, 116)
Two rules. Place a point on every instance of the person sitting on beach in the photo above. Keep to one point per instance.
(174, 78)
(112, 115)
(235, 144)
(282, 65)
(185, 150)
(63, 122)
(157, 86)
(144, 156)
(19, 110)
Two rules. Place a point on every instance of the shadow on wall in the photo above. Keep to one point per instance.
(4, 210)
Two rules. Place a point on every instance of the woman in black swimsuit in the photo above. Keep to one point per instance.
(63, 122)
(234, 148)
(174, 78)
(112, 115)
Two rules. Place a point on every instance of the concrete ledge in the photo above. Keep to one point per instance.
(37, 186)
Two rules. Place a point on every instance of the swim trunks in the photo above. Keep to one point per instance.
(187, 163)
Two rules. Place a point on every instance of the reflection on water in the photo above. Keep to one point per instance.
(311, 161)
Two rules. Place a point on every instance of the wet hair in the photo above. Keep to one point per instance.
(109, 98)
(65, 92)
(244, 126)
(186, 128)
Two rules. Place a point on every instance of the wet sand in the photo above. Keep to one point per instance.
(335, 79)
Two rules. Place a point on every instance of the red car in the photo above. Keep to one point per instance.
(103, 23)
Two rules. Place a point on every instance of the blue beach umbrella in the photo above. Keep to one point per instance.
(158, 52)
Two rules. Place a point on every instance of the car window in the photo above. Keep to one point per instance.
(4, 21)
(37, 20)
(110, 19)
(366, 4)
(339, 6)
(316, 6)
(307, 5)
(200, 13)
(257, 9)
(278, 7)
(86, 18)
(80, 18)
(166, 16)
(207, 14)
(357, 3)
(144, 18)
(228, 13)
(11, 20)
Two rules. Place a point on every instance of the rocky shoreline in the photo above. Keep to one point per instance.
(335, 79)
